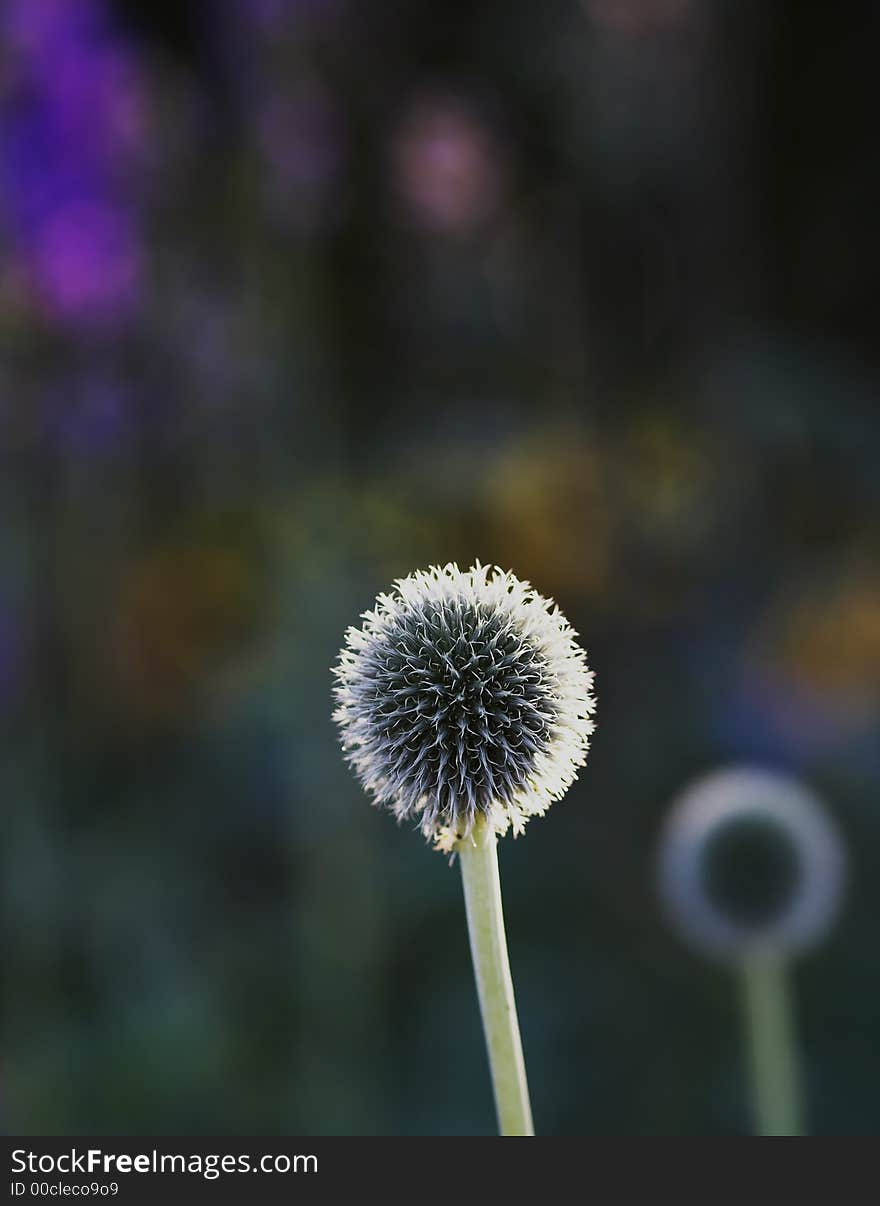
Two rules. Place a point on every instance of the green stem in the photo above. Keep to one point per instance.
(773, 1064)
(482, 898)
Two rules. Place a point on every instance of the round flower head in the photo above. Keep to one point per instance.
(750, 864)
(464, 694)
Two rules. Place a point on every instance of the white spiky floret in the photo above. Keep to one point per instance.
(464, 693)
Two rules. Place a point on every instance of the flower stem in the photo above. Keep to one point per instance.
(772, 1054)
(482, 897)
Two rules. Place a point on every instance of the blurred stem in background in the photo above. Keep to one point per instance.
(771, 1042)
(482, 895)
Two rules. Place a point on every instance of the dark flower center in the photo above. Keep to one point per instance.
(460, 705)
(751, 871)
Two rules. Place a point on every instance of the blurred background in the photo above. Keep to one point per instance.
(297, 296)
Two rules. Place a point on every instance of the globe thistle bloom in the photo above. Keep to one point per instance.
(750, 864)
(464, 694)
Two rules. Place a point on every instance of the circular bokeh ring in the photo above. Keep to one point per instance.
(781, 804)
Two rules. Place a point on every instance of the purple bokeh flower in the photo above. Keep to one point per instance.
(450, 169)
(35, 27)
(87, 263)
(74, 132)
(97, 97)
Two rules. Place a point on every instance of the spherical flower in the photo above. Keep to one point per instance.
(750, 863)
(464, 694)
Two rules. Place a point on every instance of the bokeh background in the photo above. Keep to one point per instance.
(296, 297)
